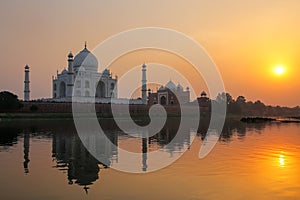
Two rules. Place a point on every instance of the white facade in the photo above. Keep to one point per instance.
(83, 80)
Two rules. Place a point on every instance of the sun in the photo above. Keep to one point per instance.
(279, 70)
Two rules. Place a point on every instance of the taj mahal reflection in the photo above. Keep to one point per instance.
(70, 156)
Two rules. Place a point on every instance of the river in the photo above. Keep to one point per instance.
(45, 159)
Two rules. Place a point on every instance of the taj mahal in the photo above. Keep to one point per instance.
(82, 80)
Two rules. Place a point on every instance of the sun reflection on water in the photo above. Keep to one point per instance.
(281, 160)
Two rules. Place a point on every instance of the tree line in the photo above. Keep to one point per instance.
(240, 106)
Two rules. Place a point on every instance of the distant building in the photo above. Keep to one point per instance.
(84, 69)
(204, 102)
(170, 94)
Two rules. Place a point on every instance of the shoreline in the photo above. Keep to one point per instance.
(49, 116)
(69, 116)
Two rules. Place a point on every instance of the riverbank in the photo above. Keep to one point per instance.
(270, 119)
(8, 116)
(4, 116)
(69, 115)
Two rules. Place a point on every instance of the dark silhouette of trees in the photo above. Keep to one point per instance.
(9, 101)
(241, 100)
(241, 106)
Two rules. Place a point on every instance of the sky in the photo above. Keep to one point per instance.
(246, 40)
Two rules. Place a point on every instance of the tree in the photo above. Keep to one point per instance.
(229, 99)
(222, 97)
(234, 108)
(259, 106)
(241, 100)
(9, 101)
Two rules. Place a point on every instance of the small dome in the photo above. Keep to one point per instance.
(171, 85)
(26, 67)
(144, 65)
(86, 59)
(106, 72)
(161, 88)
(203, 94)
(64, 71)
(70, 55)
(179, 87)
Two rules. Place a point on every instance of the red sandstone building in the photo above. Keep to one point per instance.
(170, 94)
(204, 102)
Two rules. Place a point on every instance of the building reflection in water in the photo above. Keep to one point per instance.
(144, 151)
(81, 167)
(180, 136)
(26, 152)
(231, 128)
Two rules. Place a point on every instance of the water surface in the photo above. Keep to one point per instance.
(46, 160)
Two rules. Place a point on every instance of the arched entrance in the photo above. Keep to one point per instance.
(100, 90)
(62, 89)
(163, 100)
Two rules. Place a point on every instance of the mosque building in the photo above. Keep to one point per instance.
(170, 94)
(83, 80)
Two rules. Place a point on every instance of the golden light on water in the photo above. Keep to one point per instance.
(281, 160)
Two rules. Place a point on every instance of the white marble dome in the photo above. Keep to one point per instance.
(85, 59)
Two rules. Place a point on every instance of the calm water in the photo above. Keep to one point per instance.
(46, 160)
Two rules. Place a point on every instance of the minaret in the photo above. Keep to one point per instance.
(70, 82)
(26, 84)
(144, 84)
(70, 62)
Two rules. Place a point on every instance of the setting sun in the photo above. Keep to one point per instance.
(279, 70)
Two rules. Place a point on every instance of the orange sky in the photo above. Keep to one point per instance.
(246, 39)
